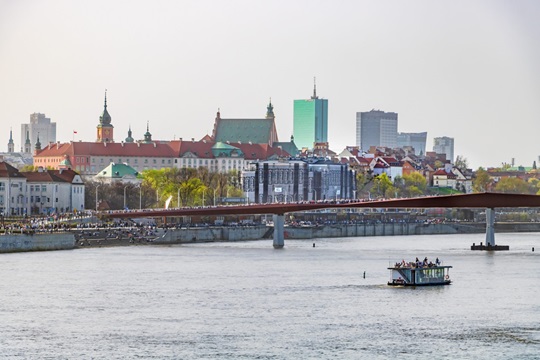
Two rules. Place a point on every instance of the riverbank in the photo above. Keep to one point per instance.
(107, 237)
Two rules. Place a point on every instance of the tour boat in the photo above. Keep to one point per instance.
(418, 274)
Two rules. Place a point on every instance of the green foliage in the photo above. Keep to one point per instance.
(513, 185)
(481, 181)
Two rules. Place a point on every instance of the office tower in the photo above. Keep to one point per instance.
(415, 140)
(310, 121)
(376, 128)
(444, 145)
(39, 124)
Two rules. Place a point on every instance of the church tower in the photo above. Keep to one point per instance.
(37, 147)
(27, 144)
(11, 145)
(129, 138)
(147, 135)
(105, 128)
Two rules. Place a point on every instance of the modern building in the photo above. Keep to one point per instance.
(39, 126)
(444, 145)
(298, 179)
(415, 140)
(310, 121)
(376, 128)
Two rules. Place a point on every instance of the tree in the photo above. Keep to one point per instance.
(481, 181)
(382, 184)
(461, 162)
(513, 185)
(415, 184)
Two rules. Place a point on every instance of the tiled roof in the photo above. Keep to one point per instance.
(244, 130)
(8, 171)
(155, 149)
(50, 176)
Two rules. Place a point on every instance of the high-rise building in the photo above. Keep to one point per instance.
(310, 121)
(39, 125)
(376, 128)
(444, 145)
(415, 140)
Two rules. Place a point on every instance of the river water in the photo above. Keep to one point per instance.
(246, 300)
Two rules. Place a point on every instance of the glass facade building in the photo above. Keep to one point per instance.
(310, 122)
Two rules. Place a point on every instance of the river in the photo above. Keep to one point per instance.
(246, 300)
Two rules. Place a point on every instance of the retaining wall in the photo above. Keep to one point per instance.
(36, 242)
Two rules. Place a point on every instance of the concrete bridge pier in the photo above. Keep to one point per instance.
(490, 234)
(279, 228)
(490, 227)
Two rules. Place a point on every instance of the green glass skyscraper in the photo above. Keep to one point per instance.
(310, 121)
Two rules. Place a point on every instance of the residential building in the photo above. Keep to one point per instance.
(13, 199)
(444, 145)
(39, 126)
(376, 128)
(54, 191)
(415, 140)
(310, 121)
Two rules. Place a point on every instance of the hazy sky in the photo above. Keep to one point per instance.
(465, 69)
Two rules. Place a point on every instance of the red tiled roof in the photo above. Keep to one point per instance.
(8, 171)
(107, 149)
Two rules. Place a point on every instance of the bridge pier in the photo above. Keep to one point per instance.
(490, 234)
(490, 227)
(279, 226)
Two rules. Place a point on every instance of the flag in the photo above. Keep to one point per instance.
(168, 202)
(74, 131)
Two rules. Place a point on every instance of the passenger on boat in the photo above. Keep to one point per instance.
(437, 262)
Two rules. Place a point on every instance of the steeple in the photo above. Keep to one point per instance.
(37, 148)
(129, 138)
(147, 135)
(105, 128)
(27, 144)
(270, 110)
(105, 118)
(11, 145)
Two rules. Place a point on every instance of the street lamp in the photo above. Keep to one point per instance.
(215, 197)
(125, 187)
(178, 198)
(140, 196)
(97, 187)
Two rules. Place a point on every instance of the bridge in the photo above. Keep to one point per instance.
(489, 201)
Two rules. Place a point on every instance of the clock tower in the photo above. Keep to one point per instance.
(105, 129)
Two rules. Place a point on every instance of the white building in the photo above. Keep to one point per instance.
(12, 191)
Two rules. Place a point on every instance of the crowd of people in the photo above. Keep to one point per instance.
(418, 263)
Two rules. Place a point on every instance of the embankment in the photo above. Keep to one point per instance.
(36, 242)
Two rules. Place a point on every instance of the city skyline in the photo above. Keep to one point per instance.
(444, 68)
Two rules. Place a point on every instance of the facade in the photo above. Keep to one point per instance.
(310, 121)
(376, 128)
(39, 126)
(54, 191)
(13, 193)
(41, 192)
(444, 145)
(298, 180)
(415, 140)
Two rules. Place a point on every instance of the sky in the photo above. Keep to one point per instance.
(464, 69)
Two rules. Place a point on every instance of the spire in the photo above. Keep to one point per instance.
(147, 135)
(105, 118)
(270, 110)
(27, 137)
(129, 138)
(314, 88)
(38, 144)
(11, 145)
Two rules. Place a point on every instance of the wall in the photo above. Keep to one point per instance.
(36, 242)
